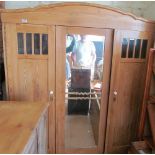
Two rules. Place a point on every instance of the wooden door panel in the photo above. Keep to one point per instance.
(33, 77)
(28, 77)
(126, 90)
(124, 125)
(61, 113)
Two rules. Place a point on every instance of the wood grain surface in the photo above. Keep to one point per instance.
(17, 122)
(78, 14)
(32, 77)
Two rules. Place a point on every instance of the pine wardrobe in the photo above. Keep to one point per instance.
(35, 41)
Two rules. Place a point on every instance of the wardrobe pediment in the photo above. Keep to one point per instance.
(78, 14)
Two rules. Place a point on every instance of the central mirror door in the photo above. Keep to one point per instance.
(83, 62)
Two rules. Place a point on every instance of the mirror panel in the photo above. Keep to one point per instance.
(83, 86)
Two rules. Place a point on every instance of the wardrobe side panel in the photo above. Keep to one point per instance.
(9, 43)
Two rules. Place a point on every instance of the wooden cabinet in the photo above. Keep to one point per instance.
(34, 42)
(25, 128)
(38, 142)
(32, 145)
(42, 135)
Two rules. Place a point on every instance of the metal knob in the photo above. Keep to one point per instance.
(51, 94)
(115, 93)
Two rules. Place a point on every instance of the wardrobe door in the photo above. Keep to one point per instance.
(82, 95)
(126, 91)
(30, 65)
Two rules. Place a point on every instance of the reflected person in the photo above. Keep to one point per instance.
(84, 54)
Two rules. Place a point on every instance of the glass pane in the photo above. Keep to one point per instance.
(20, 38)
(36, 43)
(44, 43)
(124, 47)
(144, 49)
(84, 73)
(137, 48)
(131, 47)
(29, 43)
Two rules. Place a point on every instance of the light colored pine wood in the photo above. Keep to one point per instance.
(127, 79)
(51, 87)
(60, 87)
(61, 33)
(32, 77)
(79, 14)
(17, 126)
(105, 90)
(32, 28)
(32, 80)
(10, 60)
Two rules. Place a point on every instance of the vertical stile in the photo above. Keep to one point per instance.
(24, 35)
(32, 43)
(141, 42)
(127, 50)
(41, 44)
(134, 48)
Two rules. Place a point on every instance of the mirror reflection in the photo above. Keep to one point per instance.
(84, 73)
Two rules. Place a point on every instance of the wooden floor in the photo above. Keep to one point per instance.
(78, 132)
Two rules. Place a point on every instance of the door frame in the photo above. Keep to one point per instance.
(61, 32)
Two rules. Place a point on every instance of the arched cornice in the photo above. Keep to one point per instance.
(50, 6)
(79, 14)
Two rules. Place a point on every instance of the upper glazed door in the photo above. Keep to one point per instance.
(30, 61)
(127, 85)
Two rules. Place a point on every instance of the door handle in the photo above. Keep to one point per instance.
(51, 96)
(115, 95)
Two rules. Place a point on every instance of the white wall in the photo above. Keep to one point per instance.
(144, 9)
